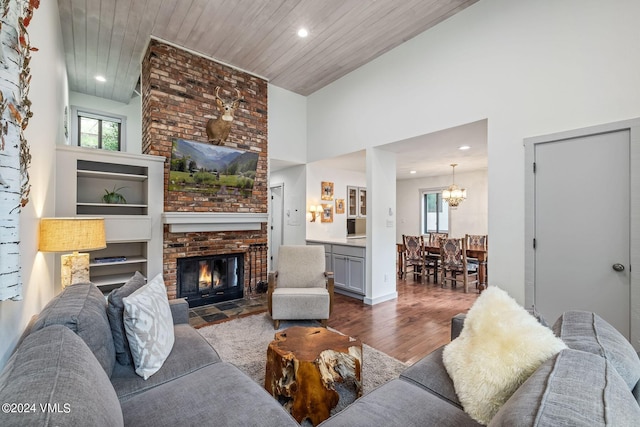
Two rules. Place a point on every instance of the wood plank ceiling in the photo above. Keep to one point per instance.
(108, 37)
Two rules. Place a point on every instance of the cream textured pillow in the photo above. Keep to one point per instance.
(149, 326)
(499, 347)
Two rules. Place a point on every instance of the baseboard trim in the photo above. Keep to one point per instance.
(383, 298)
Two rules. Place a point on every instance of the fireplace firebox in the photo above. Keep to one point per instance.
(209, 279)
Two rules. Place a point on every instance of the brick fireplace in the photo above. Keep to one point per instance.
(178, 98)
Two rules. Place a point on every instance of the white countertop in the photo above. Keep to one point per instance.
(351, 241)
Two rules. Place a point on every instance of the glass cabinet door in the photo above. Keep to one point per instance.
(362, 202)
(352, 202)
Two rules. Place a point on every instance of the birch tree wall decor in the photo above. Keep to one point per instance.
(15, 110)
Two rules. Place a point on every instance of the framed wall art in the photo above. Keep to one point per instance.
(327, 213)
(327, 190)
(339, 206)
(211, 169)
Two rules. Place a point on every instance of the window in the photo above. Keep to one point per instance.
(95, 129)
(435, 212)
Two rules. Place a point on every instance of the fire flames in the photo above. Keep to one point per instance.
(205, 275)
(206, 278)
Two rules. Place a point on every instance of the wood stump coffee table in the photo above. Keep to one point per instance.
(310, 370)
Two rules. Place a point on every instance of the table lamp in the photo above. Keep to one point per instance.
(72, 234)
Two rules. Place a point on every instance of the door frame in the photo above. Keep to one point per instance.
(281, 207)
(633, 126)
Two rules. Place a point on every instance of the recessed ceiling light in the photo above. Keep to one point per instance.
(464, 147)
(101, 79)
(302, 32)
(412, 172)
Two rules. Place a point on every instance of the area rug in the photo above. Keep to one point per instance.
(244, 342)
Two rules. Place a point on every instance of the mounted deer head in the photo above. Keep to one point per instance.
(218, 129)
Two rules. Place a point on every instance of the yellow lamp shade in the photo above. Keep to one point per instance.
(71, 234)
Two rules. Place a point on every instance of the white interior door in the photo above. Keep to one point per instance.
(582, 227)
(275, 229)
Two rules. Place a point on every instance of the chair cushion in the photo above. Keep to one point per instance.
(301, 267)
(413, 249)
(115, 309)
(574, 388)
(54, 369)
(582, 330)
(451, 254)
(300, 303)
(82, 308)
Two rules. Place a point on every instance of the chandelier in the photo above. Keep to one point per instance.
(454, 194)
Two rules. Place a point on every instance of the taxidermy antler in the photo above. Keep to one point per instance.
(218, 129)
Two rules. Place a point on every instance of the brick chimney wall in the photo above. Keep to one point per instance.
(178, 97)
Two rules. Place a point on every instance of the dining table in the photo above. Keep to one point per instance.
(478, 252)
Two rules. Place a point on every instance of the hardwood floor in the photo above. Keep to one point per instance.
(408, 328)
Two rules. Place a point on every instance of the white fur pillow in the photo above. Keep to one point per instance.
(499, 347)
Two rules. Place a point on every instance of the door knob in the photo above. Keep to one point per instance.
(618, 267)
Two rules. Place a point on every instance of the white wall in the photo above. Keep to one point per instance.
(530, 68)
(48, 94)
(287, 136)
(471, 216)
(132, 110)
(287, 124)
(341, 179)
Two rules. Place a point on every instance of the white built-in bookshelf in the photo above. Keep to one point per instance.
(133, 229)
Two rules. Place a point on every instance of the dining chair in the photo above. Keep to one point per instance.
(432, 256)
(414, 255)
(454, 265)
(476, 240)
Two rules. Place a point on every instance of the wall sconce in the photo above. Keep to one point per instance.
(72, 234)
(314, 211)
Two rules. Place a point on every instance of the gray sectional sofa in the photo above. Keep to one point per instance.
(64, 373)
(595, 382)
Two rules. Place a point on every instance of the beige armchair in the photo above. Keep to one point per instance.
(300, 288)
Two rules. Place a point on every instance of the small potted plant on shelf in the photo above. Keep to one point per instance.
(114, 196)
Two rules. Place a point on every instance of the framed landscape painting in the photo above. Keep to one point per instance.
(211, 169)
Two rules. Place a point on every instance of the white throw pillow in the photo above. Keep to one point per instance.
(499, 347)
(149, 326)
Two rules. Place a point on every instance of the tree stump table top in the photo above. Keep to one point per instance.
(310, 370)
